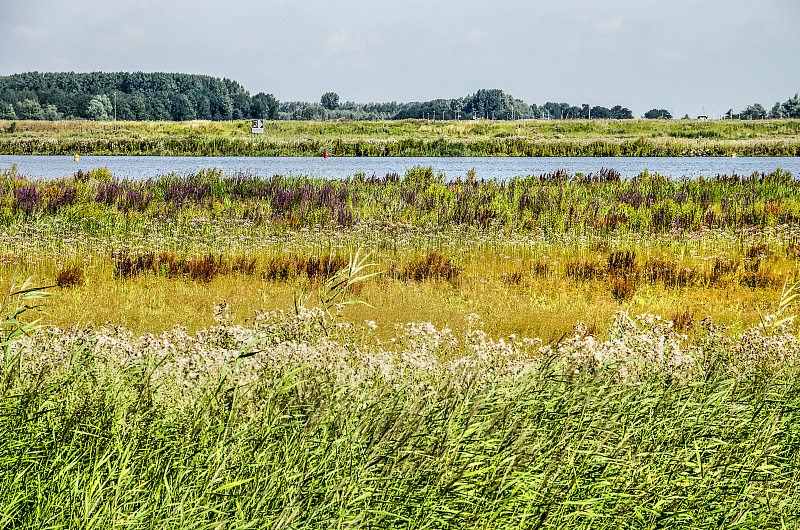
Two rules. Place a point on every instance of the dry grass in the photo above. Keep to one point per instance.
(70, 277)
(537, 307)
(433, 266)
(683, 320)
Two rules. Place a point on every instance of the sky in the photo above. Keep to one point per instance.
(687, 56)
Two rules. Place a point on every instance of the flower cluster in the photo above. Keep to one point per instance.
(277, 343)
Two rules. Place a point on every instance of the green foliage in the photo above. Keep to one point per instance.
(140, 96)
(29, 109)
(655, 114)
(330, 100)
(263, 106)
(7, 111)
(99, 108)
(17, 302)
(411, 138)
(99, 437)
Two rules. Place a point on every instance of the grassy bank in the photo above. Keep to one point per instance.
(561, 351)
(407, 138)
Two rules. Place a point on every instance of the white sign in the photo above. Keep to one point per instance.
(258, 126)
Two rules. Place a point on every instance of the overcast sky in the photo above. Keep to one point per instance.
(682, 55)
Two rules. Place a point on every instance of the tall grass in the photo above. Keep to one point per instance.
(339, 415)
(542, 243)
(556, 201)
(101, 429)
(408, 138)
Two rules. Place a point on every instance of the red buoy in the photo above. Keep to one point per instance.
(326, 154)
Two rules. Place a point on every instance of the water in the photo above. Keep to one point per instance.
(499, 168)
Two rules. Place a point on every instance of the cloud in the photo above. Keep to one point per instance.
(671, 54)
(721, 43)
(478, 36)
(342, 42)
(607, 27)
(147, 7)
(28, 34)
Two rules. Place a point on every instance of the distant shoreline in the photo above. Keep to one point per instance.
(530, 138)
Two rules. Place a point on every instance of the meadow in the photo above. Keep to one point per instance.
(406, 138)
(554, 351)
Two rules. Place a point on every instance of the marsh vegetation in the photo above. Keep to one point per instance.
(554, 351)
(406, 138)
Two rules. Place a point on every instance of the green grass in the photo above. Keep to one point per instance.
(408, 138)
(94, 435)
(501, 376)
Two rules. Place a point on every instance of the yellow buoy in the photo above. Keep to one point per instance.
(77, 158)
(733, 155)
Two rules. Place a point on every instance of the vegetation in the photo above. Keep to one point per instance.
(539, 243)
(407, 138)
(555, 351)
(140, 96)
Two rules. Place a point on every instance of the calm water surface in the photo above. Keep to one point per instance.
(499, 168)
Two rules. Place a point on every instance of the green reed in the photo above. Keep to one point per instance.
(93, 444)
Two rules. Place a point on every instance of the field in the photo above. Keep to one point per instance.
(555, 351)
(407, 138)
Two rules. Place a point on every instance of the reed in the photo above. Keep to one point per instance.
(408, 138)
(561, 351)
(292, 421)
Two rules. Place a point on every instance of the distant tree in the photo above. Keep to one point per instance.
(157, 111)
(729, 114)
(124, 111)
(330, 100)
(29, 109)
(51, 113)
(100, 108)
(264, 106)
(221, 107)
(776, 111)
(7, 111)
(654, 114)
(792, 107)
(686, 117)
(601, 113)
(314, 111)
(753, 112)
(621, 113)
(180, 108)
(139, 108)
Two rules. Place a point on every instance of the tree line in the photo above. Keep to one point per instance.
(490, 104)
(139, 96)
(133, 96)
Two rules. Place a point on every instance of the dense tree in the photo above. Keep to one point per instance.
(654, 114)
(180, 108)
(330, 100)
(600, 113)
(140, 96)
(7, 111)
(621, 113)
(221, 107)
(314, 111)
(791, 109)
(29, 109)
(164, 96)
(100, 108)
(51, 113)
(753, 112)
(264, 106)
